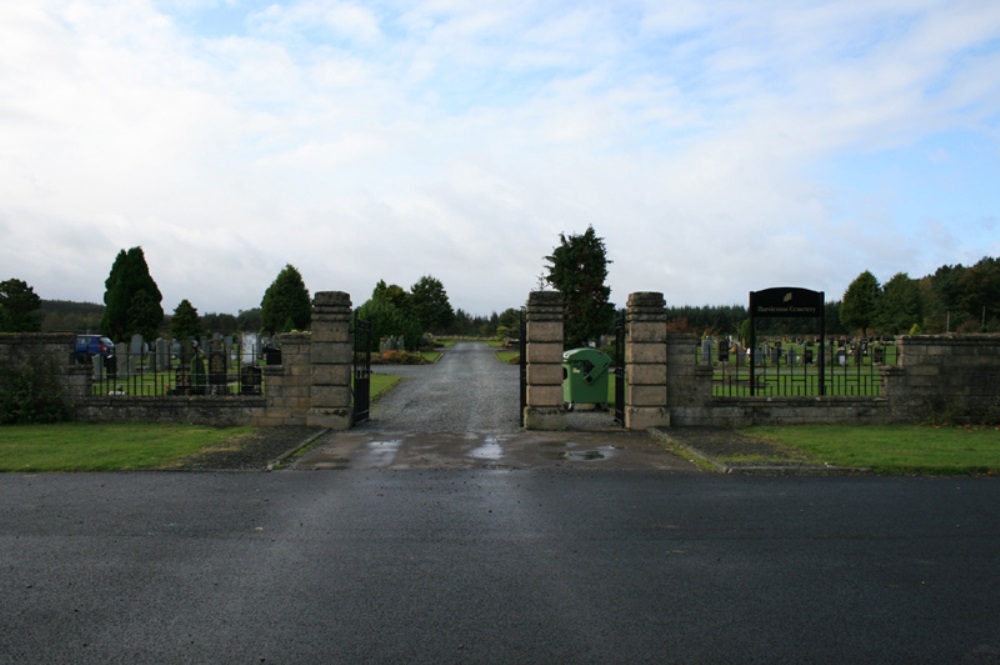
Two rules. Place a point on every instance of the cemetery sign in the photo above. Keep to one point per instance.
(787, 302)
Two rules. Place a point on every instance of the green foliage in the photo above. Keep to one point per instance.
(388, 321)
(429, 304)
(30, 392)
(185, 322)
(979, 288)
(861, 302)
(68, 316)
(393, 294)
(286, 304)
(224, 324)
(578, 269)
(131, 298)
(19, 307)
(900, 306)
(250, 319)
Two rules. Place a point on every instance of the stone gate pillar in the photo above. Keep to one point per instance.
(544, 408)
(646, 362)
(331, 356)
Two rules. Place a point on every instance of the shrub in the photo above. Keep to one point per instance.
(402, 358)
(30, 392)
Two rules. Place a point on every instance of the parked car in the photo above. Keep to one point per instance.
(89, 346)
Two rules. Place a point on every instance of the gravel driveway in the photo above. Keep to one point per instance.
(467, 390)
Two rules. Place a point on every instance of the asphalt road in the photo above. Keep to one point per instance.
(424, 546)
(489, 566)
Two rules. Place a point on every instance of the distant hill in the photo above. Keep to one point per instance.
(69, 316)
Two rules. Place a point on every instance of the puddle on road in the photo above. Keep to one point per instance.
(489, 450)
(333, 464)
(600, 453)
(380, 453)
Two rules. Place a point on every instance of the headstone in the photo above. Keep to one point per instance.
(162, 354)
(808, 354)
(706, 351)
(249, 353)
(124, 360)
(250, 380)
(217, 369)
(136, 347)
(97, 364)
(182, 381)
(792, 357)
(879, 355)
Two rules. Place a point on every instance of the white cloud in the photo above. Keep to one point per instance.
(362, 142)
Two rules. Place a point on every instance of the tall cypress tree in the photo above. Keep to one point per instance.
(131, 298)
(579, 267)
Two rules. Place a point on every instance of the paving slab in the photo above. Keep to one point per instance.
(608, 450)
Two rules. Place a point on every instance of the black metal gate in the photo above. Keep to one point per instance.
(618, 363)
(522, 342)
(362, 371)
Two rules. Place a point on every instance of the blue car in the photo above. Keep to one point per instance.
(89, 346)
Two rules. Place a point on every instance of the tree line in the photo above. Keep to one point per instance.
(955, 298)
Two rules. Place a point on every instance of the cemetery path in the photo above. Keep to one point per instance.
(467, 390)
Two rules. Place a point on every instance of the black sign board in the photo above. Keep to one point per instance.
(786, 302)
(790, 302)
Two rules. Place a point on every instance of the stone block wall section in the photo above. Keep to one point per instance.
(330, 361)
(646, 392)
(287, 386)
(544, 349)
(952, 378)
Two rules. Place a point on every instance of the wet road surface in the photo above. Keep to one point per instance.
(462, 412)
(492, 566)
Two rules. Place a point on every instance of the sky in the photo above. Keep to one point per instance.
(717, 147)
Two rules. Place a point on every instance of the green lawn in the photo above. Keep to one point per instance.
(87, 447)
(895, 448)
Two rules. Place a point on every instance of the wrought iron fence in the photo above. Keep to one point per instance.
(211, 367)
(786, 368)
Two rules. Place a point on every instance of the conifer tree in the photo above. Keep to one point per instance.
(132, 299)
(185, 321)
(579, 267)
(286, 305)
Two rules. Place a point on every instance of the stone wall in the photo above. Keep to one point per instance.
(953, 378)
(544, 409)
(213, 411)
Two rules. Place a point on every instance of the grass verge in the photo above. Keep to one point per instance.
(111, 447)
(894, 449)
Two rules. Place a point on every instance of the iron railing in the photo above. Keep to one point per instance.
(785, 368)
(208, 367)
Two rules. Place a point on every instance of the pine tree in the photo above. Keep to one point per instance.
(578, 270)
(429, 304)
(185, 321)
(132, 299)
(286, 305)
(19, 307)
(861, 301)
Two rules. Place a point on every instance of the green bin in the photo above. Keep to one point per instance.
(585, 377)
